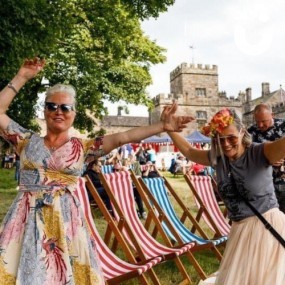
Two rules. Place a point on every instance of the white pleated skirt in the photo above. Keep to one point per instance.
(253, 256)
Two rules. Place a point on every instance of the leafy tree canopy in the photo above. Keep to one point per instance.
(148, 8)
(97, 46)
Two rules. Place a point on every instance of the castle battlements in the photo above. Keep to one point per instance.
(166, 98)
(194, 68)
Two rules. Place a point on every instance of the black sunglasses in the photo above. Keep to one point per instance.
(52, 107)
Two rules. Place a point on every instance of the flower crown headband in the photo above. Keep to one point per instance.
(221, 120)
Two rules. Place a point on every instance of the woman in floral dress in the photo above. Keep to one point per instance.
(44, 238)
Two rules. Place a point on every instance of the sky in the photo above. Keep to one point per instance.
(244, 38)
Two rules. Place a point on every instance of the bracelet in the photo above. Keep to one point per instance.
(10, 85)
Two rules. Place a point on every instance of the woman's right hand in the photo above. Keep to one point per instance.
(171, 122)
(31, 67)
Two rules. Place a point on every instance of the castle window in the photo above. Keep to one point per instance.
(200, 92)
(201, 115)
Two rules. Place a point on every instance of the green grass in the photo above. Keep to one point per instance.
(167, 272)
(7, 190)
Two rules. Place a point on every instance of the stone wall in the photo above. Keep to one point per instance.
(274, 99)
(114, 124)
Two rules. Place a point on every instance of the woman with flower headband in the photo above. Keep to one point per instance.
(45, 238)
(253, 256)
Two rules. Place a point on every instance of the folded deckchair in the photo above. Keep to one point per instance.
(120, 190)
(115, 270)
(208, 207)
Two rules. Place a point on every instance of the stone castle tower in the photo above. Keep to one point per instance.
(196, 89)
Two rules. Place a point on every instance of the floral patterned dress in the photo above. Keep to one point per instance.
(44, 238)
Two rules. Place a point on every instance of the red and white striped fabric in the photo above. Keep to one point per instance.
(112, 265)
(121, 185)
(204, 188)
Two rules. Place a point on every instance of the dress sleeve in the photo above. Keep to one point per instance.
(16, 135)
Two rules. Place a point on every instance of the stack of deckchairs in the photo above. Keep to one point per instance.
(115, 270)
(120, 190)
(141, 247)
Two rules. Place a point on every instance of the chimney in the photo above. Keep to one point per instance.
(265, 89)
(248, 94)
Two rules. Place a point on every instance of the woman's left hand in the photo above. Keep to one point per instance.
(173, 123)
(31, 67)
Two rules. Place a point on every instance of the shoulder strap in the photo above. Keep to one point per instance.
(267, 225)
(265, 222)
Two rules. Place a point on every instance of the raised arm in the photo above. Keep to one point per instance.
(173, 123)
(28, 70)
(197, 155)
(192, 153)
(275, 151)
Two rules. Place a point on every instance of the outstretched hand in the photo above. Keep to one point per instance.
(173, 123)
(31, 67)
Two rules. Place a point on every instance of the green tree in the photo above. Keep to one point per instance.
(150, 8)
(97, 46)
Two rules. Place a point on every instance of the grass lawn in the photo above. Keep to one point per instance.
(167, 271)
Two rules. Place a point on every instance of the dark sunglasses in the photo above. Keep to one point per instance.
(52, 107)
(231, 139)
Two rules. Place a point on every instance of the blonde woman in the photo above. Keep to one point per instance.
(253, 256)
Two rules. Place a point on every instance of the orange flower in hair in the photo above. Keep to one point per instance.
(221, 120)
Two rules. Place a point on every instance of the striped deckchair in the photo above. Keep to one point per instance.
(120, 190)
(107, 168)
(159, 192)
(208, 207)
(115, 270)
(167, 220)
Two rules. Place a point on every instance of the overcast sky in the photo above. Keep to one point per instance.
(244, 38)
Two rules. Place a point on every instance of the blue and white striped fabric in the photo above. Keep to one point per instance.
(107, 168)
(159, 191)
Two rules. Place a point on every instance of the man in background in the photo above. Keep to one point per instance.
(268, 128)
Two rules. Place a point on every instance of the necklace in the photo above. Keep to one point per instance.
(53, 148)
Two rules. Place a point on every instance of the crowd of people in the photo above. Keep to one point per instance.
(8, 160)
(120, 161)
(44, 238)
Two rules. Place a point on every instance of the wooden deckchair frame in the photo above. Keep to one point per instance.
(115, 270)
(157, 215)
(208, 213)
(122, 225)
(180, 224)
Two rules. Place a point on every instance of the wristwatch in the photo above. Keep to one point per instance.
(10, 85)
